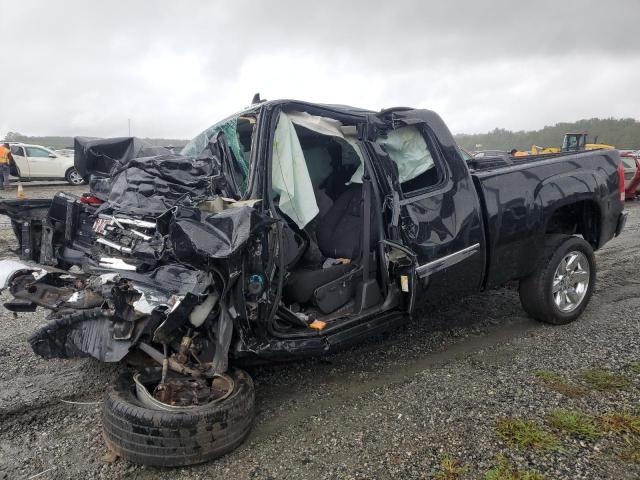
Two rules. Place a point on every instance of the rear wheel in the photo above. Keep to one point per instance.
(560, 288)
(73, 177)
(144, 434)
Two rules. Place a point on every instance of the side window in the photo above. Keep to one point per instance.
(628, 162)
(37, 152)
(17, 151)
(417, 169)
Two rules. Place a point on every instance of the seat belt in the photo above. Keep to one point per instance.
(366, 226)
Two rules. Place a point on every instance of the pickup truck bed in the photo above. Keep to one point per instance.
(523, 200)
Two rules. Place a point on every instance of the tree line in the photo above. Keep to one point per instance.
(622, 133)
(67, 142)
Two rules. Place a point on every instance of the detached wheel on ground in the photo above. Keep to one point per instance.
(149, 436)
(560, 288)
(73, 177)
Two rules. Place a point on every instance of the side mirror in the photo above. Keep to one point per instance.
(53, 155)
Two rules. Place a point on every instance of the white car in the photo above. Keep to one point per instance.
(35, 162)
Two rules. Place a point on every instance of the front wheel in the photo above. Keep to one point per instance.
(560, 288)
(73, 177)
(144, 431)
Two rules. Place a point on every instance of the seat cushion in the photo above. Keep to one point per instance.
(301, 283)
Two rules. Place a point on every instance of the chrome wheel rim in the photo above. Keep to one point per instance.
(571, 281)
(75, 177)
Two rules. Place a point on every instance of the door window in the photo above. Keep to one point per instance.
(628, 162)
(19, 151)
(408, 149)
(37, 152)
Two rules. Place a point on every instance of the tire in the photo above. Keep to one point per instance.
(169, 439)
(537, 290)
(73, 177)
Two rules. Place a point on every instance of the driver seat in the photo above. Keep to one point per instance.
(339, 234)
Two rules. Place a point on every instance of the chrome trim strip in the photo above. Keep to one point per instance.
(115, 246)
(447, 260)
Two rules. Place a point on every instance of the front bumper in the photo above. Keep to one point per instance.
(622, 220)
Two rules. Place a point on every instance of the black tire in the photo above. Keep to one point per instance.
(69, 176)
(536, 290)
(170, 439)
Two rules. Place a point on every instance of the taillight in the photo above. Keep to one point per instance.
(621, 181)
(90, 200)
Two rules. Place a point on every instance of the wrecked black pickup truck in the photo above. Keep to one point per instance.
(288, 230)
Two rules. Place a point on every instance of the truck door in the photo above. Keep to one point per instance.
(20, 159)
(438, 210)
(42, 162)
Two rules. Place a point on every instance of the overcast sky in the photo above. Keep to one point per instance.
(175, 67)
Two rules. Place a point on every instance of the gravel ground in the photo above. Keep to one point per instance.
(390, 408)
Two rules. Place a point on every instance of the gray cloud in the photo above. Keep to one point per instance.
(176, 67)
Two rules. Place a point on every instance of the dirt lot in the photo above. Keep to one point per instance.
(456, 392)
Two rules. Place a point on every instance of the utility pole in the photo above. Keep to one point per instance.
(129, 123)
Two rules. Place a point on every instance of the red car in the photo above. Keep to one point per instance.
(631, 164)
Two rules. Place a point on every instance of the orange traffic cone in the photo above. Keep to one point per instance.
(20, 195)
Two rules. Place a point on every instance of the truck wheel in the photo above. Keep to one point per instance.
(149, 436)
(560, 288)
(73, 177)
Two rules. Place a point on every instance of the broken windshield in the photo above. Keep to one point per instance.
(238, 132)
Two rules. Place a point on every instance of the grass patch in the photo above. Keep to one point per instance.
(632, 452)
(628, 426)
(525, 434)
(451, 469)
(622, 422)
(602, 381)
(634, 367)
(505, 471)
(574, 422)
(556, 382)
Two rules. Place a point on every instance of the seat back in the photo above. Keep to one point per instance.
(339, 231)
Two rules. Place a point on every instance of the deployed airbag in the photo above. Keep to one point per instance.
(407, 147)
(289, 175)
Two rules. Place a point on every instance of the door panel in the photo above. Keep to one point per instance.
(20, 159)
(441, 221)
(40, 164)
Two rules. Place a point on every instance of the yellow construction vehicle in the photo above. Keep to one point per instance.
(572, 142)
(575, 142)
(536, 150)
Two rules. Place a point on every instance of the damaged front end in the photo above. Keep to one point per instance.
(148, 260)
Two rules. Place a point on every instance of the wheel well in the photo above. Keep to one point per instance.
(580, 218)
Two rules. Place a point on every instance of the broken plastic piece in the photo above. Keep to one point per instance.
(318, 325)
(116, 263)
(200, 312)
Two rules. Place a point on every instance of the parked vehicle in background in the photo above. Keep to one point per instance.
(490, 153)
(631, 165)
(67, 152)
(572, 142)
(35, 162)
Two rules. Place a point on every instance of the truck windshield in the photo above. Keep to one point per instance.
(238, 131)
